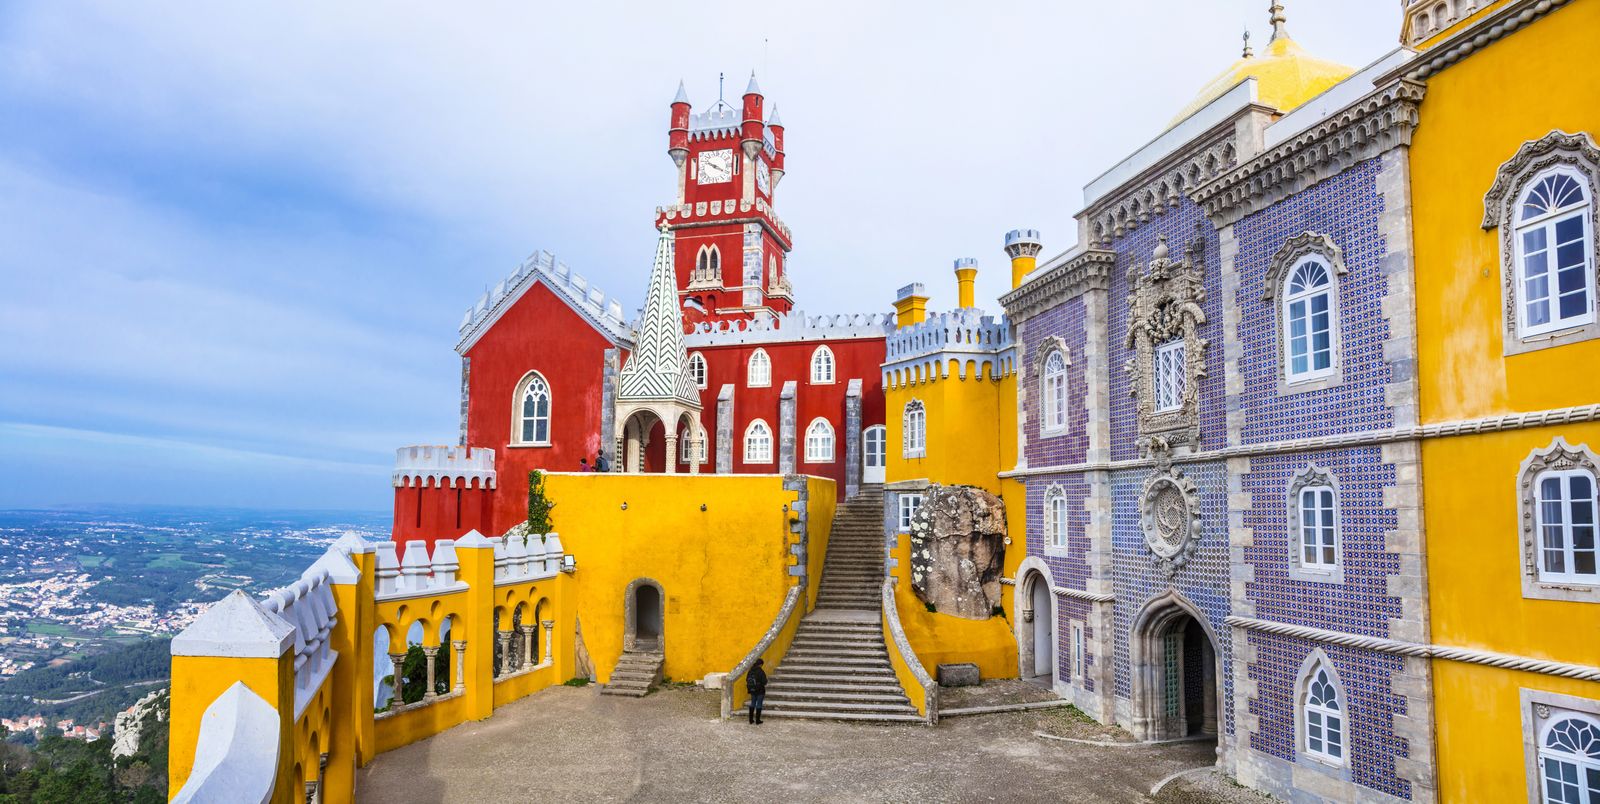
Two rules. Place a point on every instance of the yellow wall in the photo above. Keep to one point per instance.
(724, 570)
(946, 639)
(1454, 156)
(198, 680)
(1538, 79)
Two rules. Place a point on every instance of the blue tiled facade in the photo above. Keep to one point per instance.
(1244, 564)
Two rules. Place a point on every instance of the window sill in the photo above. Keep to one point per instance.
(545, 445)
(1332, 575)
(758, 385)
(910, 456)
(1522, 344)
(1569, 591)
(1052, 432)
(1301, 385)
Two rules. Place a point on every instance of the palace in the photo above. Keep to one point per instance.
(1185, 477)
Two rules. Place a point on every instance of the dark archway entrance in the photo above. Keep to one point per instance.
(644, 613)
(1175, 673)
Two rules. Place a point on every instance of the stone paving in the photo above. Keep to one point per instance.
(572, 744)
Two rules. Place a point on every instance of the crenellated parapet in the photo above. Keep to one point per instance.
(731, 210)
(979, 345)
(438, 466)
(789, 327)
(542, 266)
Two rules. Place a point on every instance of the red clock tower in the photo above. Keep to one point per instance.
(731, 249)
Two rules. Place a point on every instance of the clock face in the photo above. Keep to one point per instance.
(716, 167)
(763, 178)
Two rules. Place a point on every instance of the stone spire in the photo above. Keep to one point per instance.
(1280, 22)
(658, 367)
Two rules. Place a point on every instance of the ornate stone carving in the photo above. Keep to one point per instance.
(1170, 518)
(1054, 343)
(1499, 204)
(1164, 305)
(1163, 188)
(1090, 270)
(1302, 245)
(1365, 129)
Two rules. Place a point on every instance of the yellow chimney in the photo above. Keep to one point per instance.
(1023, 246)
(911, 305)
(966, 278)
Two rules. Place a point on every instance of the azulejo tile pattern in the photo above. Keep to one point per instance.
(1069, 323)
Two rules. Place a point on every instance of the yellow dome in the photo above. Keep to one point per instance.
(1286, 76)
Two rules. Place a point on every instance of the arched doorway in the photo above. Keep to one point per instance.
(643, 616)
(1044, 638)
(1175, 672)
(642, 443)
(874, 454)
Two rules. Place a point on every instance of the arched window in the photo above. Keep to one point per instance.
(532, 411)
(758, 443)
(1565, 514)
(691, 450)
(1055, 518)
(772, 272)
(697, 369)
(1308, 321)
(822, 365)
(914, 435)
(819, 442)
(1555, 252)
(1569, 759)
(707, 266)
(759, 373)
(1324, 717)
(1054, 381)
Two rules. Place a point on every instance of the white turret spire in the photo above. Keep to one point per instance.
(658, 367)
(754, 88)
(683, 97)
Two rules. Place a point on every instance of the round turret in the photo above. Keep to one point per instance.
(752, 125)
(1023, 247)
(678, 135)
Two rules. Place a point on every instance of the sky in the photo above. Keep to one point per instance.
(236, 240)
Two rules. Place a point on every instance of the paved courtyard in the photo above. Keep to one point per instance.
(571, 744)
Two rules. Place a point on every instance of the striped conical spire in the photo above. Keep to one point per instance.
(657, 368)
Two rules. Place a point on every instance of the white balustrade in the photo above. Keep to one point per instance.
(308, 606)
(417, 573)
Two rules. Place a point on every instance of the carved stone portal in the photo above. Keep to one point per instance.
(1164, 307)
(958, 551)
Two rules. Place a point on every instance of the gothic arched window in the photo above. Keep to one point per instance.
(819, 442)
(1323, 716)
(532, 411)
(759, 372)
(758, 443)
(822, 365)
(697, 369)
(914, 434)
(1054, 381)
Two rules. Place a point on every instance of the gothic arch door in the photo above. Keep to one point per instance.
(1044, 638)
(874, 454)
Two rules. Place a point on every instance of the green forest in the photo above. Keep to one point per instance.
(62, 771)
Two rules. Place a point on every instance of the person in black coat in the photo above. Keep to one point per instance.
(755, 682)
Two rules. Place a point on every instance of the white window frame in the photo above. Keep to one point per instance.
(908, 502)
(914, 430)
(758, 451)
(1317, 481)
(1566, 529)
(1320, 536)
(1582, 766)
(1546, 222)
(1327, 289)
(1167, 394)
(519, 418)
(758, 370)
(1315, 717)
(1053, 393)
(820, 441)
(686, 443)
(699, 370)
(1055, 520)
(1541, 712)
(1079, 653)
(1559, 459)
(823, 366)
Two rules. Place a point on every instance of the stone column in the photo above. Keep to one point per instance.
(786, 428)
(672, 452)
(852, 439)
(431, 652)
(527, 646)
(460, 646)
(399, 660)
(697, 446)
(504, 638)
(725, 429)
(549, 625)
(608, 409)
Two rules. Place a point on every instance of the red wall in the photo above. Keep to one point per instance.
(858, 358)
(432, 513)
(539, 333)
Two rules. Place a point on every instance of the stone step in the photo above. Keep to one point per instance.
(836, 706)
(841, 672)
(787, 694)
(847, 607)
(839, 660)
(832, 688)
(856, 716)
(842, 654)
(861, 642)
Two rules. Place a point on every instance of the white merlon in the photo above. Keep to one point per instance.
(418, 574)
(702, 209)
(791, 326)
(436, 464)
(1020, 236)
(236, 756)
(308, 606)
(913, 289)
(718, 121)
(522, 556)
(966, 336)
(236, 627)
(966, 262)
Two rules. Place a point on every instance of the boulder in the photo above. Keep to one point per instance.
(958, 551)
(959, 675)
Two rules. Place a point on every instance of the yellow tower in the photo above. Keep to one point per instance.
(911, 305)
(1022, 246)
(966, 279)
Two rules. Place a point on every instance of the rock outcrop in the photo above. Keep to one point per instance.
(958, 550)
(129, 727)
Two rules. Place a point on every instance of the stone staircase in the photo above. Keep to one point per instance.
(636, 673)
(838, 667)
